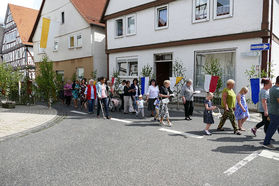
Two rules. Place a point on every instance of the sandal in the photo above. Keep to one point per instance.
(237, 132)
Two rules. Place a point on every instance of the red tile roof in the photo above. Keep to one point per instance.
(91, 10)
(24, 19)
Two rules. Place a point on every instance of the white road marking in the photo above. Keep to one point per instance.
(77, 112)
(181, 133)
(269, 154)
(121, 120)
(242, 163)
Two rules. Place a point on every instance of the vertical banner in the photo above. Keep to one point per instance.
(255, 89)
(210, 83)
(172, 82)
(144, 85)
(50, 29)
(45, 31)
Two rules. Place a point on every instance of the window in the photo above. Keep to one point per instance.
(80, 73)
(60, 73)
(162, 17)
(223, 8)
(227, 64)
(200, 10)
(55, 46)
(119, 27)
(131, 25)
(128, 67)
(79, 41)
(71, 41)
(62, 17)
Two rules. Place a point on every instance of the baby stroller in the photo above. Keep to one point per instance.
(114, 104)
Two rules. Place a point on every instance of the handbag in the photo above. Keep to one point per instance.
(165, 101)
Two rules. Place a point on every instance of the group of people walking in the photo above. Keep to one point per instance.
(234, 106)
(88, 94)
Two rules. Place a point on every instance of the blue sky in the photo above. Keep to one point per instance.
(27, 3)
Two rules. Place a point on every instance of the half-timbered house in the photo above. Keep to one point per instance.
(16, 49)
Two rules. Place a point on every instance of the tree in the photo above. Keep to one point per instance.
(116, 74)
(46, 80)
(147, 71)
(9, 78)
(179, 71)
(213, 67)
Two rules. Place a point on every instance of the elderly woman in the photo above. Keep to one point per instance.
(91, 95)
(228, 104)
(187, 98)
(165, 93)
(152, 95)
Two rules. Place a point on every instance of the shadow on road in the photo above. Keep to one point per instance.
(244, 149)
(235, 139)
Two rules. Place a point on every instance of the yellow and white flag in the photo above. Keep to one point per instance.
(174, 81)
(49, 32)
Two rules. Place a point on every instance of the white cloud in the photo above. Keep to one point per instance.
(27, 3)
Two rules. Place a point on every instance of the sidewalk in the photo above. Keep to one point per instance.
(23, 118)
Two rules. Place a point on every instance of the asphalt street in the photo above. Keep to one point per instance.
(83, 150)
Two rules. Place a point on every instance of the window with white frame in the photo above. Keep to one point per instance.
(128, 67)
(79, 40)
(60, 73)
(119, 27)
(161, 17)
(55, 46)
(200, 10)
(80, 73)
(131, 25)
(226, 59)
(223, 8)
(71, 42)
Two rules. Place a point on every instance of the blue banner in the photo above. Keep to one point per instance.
(255, 88)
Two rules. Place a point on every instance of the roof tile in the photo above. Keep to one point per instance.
(24, 19)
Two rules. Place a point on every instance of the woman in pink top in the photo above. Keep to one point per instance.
(68, 92)
(102, 93)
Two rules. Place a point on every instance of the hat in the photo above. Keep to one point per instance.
(140, 96)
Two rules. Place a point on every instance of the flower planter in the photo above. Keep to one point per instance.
(9, 104)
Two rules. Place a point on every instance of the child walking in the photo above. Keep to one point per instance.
(140, 104)
(157, 109)
(241, 110)
(207, 115)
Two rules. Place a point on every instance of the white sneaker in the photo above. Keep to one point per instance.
(207, 132)
(169, 124)
(162, 123)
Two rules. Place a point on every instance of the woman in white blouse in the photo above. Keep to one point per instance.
(152, 94)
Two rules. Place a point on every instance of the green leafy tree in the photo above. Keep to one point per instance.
(213, 67)
(147, 71)
(9, 79)
(46, 80)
